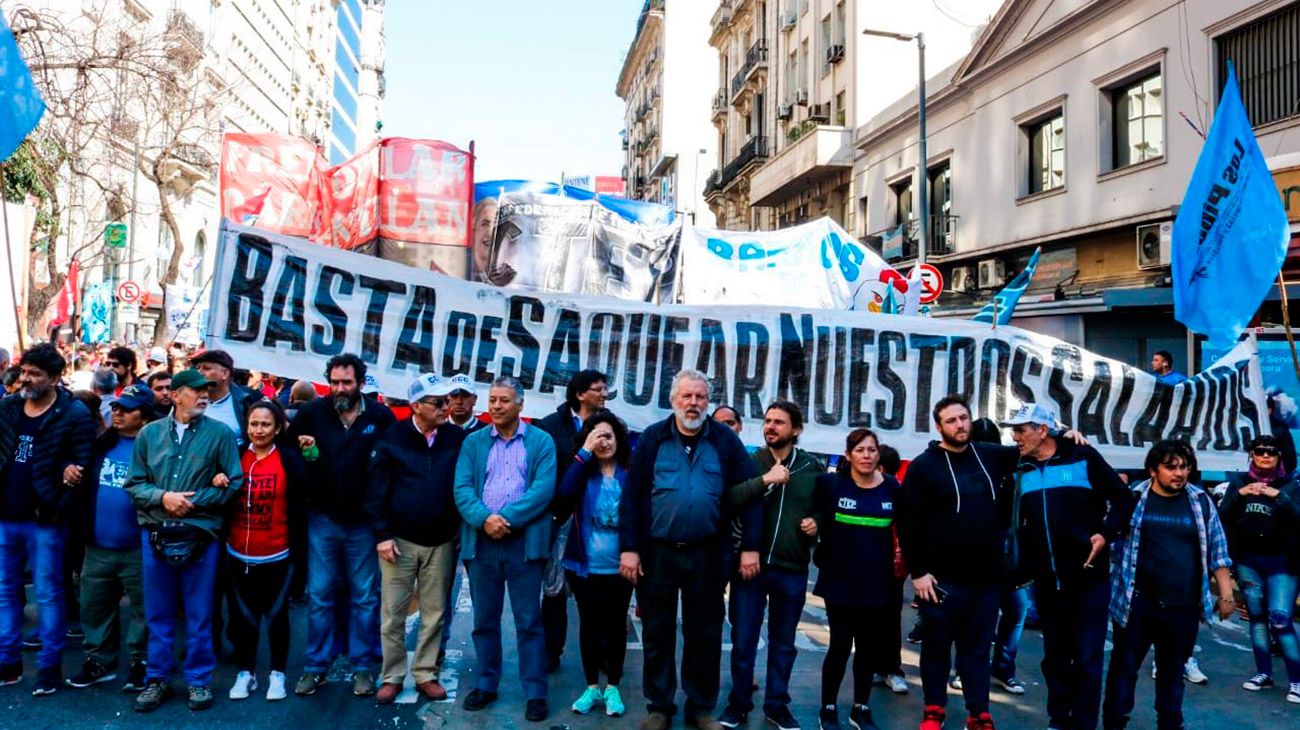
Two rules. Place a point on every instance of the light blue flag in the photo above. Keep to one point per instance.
(1006, 300)
(1230, 236)
(21, 105)
(890, 305)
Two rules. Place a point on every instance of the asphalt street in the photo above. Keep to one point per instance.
(1223, 651)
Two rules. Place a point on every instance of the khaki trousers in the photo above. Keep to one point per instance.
(421, 573)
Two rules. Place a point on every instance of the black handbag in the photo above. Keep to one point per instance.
(176, 543)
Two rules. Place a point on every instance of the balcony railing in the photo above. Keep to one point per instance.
(720, 101)
(755, 58)
(181, 26)
(902, 241)
(713, 184)
(756, 149)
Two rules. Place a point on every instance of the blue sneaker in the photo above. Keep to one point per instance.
(587, 700)
(614, 702)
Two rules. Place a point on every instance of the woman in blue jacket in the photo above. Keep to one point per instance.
(590, 490)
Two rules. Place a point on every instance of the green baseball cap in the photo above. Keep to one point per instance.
(190, 378)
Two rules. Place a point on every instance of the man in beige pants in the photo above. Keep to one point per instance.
(414, 517)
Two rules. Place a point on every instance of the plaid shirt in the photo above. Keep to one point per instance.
(1214, 553)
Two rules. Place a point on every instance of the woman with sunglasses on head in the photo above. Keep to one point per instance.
(1261, 514)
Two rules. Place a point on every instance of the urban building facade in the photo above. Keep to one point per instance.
(1074, 127)
(668, 141)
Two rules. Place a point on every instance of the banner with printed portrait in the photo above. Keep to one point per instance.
(284, 306)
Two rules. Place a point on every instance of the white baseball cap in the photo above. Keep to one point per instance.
(370, 385)
(426, 385)
(462, 382)
(1031, 413)
(157, 354)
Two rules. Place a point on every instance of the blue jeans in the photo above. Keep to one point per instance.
(334, 549)
(44, 546)
(1074, 638)
(171, 590)
(781, 593)
(1172, 630)
(1270, 601)
(1011, 625)
(498, 567)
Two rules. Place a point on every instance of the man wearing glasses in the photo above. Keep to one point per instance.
(413, 513)
(122, 361)
(585, 394)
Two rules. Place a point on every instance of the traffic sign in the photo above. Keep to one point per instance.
(128, 313)
(129, 292)
(931, 283)
(115, 235)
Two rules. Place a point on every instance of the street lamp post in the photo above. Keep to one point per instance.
(922, 174)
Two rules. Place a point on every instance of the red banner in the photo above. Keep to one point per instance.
(407, 190)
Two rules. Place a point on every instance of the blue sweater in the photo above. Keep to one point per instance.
(529, 514)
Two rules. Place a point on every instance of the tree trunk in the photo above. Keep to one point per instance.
(174, 263)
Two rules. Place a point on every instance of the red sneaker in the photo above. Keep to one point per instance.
(983, 722)
(933, 717)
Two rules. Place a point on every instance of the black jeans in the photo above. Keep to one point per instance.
(1073, 620)
(602, 624)
(867, 627)
(967, 618)
(256, 592)
(694, 573)
(1172, 629)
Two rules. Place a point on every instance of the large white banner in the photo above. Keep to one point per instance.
(817, 265)
(284, 306)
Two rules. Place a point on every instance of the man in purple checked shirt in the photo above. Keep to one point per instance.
(505, 479)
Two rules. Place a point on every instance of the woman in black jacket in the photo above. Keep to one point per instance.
(1261, 514)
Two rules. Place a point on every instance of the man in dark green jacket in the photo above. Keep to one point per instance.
(786, 490)
(184, 469)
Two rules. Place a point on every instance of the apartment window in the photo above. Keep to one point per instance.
(1046, 158)
(840, 112)
(902, 193)
(803, 65)
(828, 39)
(791, 77)
(840, 29)
(1137, 121)
(1266, 54)
(940, 203)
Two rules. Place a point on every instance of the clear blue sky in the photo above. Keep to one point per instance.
(531, 82)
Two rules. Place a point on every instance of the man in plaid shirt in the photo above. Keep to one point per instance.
(1160, 586)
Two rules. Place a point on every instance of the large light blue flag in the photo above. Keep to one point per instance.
(1005, 302)
(21, 105)
(1230, 236)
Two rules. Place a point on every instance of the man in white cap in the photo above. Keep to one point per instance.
(156, 360)
(1071, 507)
(413, 513)
(462, 400)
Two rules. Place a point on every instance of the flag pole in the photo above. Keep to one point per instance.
(9, 256)
(1286, 322)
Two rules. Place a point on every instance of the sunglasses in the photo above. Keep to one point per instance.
(435, 401)
(1265, 451)
(112, 363)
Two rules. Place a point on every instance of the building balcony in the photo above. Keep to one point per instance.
(756, 59)
(754, 152)
(815, 152)
(719, 23)
(720, 105)
(901, 242)
(713, 185)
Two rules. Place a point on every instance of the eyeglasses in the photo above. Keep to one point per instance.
(112, 363)
(435, 401)
(1265, 451)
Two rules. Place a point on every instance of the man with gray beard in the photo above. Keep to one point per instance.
(675, 536)
(45, 438)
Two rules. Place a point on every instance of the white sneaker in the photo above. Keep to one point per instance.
(1293, 694)
(245, 683)
(897, 684)
(275, 687)
(1192, 672)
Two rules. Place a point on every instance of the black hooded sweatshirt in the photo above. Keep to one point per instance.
(954, 511)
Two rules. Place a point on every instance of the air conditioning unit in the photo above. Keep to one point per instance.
(789, 20)
(963, 279)
(820, 113)
(1153, 243)
(992, 274)
(834, 54)
(801, 97)
(785, 111)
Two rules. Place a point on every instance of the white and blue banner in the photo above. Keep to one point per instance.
(282, 305)
(1231, 235)
(817, 265)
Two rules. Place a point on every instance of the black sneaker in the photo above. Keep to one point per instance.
(479, 699)
(829, 718)
(75, 632)
(135, 677)
(914, 636)
(731, 717)
(200, 697)
(155, 693)
(11, 674)
(860, 718)
(536, 710)
(92, 673)
(782, 719)
(48, 681)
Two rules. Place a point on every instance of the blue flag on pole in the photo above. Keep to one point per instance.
(1230, 236)
(21, 105)
(1005, 301)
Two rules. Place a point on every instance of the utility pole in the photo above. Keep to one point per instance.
(922, 172)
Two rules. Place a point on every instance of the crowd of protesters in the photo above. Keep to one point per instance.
(215, 497)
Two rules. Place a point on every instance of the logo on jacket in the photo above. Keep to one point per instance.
(847, 503)
(368, 429)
